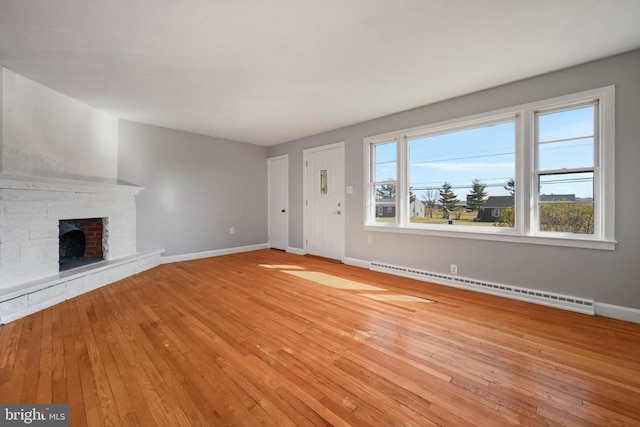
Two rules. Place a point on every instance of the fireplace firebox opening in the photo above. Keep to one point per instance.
(81, 242)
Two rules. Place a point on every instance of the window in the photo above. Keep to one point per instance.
(536, 173)
(565, 146)
(384, 173)
(469, 164)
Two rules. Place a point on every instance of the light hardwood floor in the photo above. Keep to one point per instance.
(240, 340)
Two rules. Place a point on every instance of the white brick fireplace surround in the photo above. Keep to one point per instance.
(30, 211)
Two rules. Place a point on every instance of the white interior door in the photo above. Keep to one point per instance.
(279, 202)
(324, 193)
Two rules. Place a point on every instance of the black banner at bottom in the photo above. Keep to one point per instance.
(34, 415)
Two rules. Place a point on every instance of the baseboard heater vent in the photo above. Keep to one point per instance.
(565, 302)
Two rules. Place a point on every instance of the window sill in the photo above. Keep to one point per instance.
(608, 245)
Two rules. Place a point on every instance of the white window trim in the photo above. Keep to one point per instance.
(370, 198)
(525, 153)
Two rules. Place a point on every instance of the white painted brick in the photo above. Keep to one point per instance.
(13, 306)
(121, 252)
(30, 195)
(51, 253)
(41, 297)
(20, 273)
(45, 304)
(23, 208)
(147, 263)
(9, 255)
(8, 222)
(31, 255)
(68, 212)
(123, 271)
(38, 251)
(75, 287)
(13, 194)
(7, 194)
(96, 281)
(19, 233)
(43, 229)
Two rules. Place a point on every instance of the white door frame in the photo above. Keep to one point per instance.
(305, 218)
(286, 196)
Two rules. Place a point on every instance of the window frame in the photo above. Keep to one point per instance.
(537, 172)
(526, 174)
(371, 184)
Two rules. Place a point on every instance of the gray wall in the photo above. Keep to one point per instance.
(606, 276)
(1, 113)
(196, 188)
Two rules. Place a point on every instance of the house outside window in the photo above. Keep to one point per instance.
(538, 173)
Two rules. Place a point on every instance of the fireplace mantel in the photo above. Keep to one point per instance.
(14, 182)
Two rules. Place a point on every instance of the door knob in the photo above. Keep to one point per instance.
(337, 212)
(283, 211)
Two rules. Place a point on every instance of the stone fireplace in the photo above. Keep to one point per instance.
(31, 213)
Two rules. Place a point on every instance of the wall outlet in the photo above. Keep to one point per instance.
(232, 230)
(369, 239)
(454, 268)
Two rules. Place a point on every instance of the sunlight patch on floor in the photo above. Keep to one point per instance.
(403, 298)
(281, 267)
(333, 281)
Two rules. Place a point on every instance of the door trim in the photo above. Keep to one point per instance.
(305, 207)
(286, 197)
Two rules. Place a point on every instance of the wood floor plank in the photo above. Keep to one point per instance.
(33, 356)
(235, 340)
(73, 344)
(45, 371)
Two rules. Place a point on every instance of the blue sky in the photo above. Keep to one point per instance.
(488, 153)
(485, 153)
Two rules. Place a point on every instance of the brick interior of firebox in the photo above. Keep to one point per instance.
(92, 229)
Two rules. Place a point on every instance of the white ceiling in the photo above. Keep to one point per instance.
(269, 71)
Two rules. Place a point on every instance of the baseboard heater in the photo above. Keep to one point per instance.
(564, 302)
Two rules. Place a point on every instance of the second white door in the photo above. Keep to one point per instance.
(279, 202)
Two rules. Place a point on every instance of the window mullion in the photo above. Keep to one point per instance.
(402, 194)
(525, 165)
(598, 193)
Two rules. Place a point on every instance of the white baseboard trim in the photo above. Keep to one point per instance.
(618, 312)
(535, 296)
(296, 251)
(563, 302)
(213, 253)
(357, 262)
